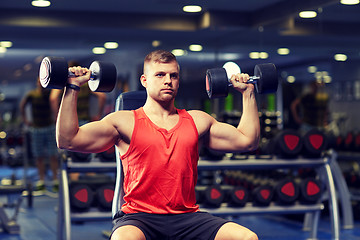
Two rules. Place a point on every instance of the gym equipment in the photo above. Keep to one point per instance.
(54, 74)
(104, 197)
(262, 195)
(314, 143)
(351, 141)
(213, 196)
(81, 197)
(238, 196)
(287, 144)
(14, 200)
(286, 191)
(311, 190)
(265, 79)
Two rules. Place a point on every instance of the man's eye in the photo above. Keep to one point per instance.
(174, 76)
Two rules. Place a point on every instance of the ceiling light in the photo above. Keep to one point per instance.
(3, 49)
(178, 52)
(307, 14)
(312, 69)
(349, 2)
(40, 3)
(192, 8)
(195, 48)
(283, 51)
(111, 45)
(2, 135)
(6, 44)
(263, 55)
(318, 76)
(254, 55)
(290, 79)
(99, 50)
(327, 79)
(156, 43)
(231, 69)
(340, 57)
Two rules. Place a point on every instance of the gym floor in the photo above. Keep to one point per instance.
(40, 222)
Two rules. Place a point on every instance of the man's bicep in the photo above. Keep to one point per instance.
(95, 137)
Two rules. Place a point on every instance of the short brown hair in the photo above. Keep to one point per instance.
(159, 56)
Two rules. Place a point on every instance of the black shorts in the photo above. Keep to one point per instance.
(187, 226)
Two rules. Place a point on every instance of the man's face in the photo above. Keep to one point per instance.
(161, 80)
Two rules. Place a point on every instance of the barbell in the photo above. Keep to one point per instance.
(54, 74)
(265, 79)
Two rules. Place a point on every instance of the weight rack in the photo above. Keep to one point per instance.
(327, 167)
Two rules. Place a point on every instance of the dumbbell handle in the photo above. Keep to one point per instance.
(253, 80)
(93, 76)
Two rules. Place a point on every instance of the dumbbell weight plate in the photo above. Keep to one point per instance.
(238, 196)
(103, 76)
(53, 72)
(315, 142)
(310, 190)
(268, 82)
(262, 195)
(213, 196)
(104, 196)
(287, 191)
(81, 197)
(217, 83)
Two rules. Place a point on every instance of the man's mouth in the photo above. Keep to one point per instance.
(167, 90)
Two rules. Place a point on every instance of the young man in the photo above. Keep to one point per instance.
(158, 144)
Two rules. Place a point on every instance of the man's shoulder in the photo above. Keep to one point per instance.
(199, 116)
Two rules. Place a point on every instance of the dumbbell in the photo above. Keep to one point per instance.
(287, 191)
(262, 195)
(238, 196)
(265, 79)
(314, 143)
(54, 74)
(287, 143)
(210, 196)
(81, 197)
(104, 196)
(311, 190)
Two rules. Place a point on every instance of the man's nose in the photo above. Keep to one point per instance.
(167, 78)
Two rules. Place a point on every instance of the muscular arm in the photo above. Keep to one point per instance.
(225, 137)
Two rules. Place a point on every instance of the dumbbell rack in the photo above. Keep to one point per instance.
(65, 216)
(327, 168)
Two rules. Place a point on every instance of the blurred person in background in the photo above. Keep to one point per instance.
(41, 127)
(310, 109)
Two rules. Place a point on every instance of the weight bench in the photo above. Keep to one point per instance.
(125, 101)
(14, 200)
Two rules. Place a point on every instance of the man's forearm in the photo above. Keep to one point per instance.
(249, 123)
(67, 124)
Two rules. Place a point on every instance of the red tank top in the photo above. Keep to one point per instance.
(160, 166)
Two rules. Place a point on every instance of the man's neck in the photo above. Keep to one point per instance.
(156, 108)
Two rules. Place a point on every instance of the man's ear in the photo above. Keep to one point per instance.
(143, 80)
